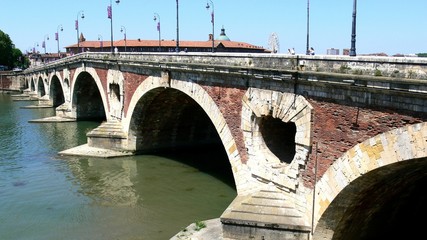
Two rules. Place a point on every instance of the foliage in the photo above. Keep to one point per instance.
(422, 54)
(200, 225)
(9, 55)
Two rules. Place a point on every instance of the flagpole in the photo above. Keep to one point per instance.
(77, 28)
(110, 16)
(177, 27)
(157, 18)
(57, 38)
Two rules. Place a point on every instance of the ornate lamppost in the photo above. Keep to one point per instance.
(213, 22)
(57, 37)
(121, 30)
(177, 26)
(353, 31)
(46, 37)
(308, 28)
(79, 14)
(157, 18)
(110, 16)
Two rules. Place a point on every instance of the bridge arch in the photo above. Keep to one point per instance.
(41, 87)
(378, 186)
(88, 98)
(56, 91)
(196, 97)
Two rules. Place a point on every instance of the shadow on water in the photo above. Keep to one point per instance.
(211, 159)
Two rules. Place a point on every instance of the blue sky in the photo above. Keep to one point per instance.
(388, 26)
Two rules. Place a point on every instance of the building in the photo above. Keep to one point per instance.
(332, 51)
(38, 59)
(222, 44)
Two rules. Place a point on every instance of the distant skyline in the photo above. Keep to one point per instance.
(387, 26)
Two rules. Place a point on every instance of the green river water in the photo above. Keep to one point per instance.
(46, 196)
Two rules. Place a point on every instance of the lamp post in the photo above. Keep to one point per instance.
(157, 18)
(34, 48)
(121, 30)
(353, 31)
(79, 14)
(308, 28)
(177, 26)
(101, 44)
(46, 37)
(213, 22)
(110, 16)
(57, 37)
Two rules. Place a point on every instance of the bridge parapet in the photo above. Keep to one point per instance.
(393, 67)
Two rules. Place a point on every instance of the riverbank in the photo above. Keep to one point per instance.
(211, 231)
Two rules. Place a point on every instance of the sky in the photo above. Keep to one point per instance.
(388, 26)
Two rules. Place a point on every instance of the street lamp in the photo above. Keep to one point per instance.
(79, 14)
(36, 44)
(46, 37)
(177, 26)
(213, 22)
(57, 37)
(157, 18)
(101, 44)
(353, 31)
(110, 16)
(121, 30)
(308, 28)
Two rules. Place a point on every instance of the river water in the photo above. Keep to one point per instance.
(46, 196)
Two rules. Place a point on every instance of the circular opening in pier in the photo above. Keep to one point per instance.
(279, 137)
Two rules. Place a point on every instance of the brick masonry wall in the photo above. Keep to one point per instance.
(337, 128)
(230, 104)
(132, 81)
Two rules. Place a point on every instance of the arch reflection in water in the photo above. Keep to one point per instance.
(156, 196)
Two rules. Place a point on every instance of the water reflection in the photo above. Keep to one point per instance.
(47, 196)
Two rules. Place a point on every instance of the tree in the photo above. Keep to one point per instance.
(6, 47)
(9, 55)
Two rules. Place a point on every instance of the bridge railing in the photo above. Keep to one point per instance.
(384, 73)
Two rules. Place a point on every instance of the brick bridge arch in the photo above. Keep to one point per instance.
(205, 102)
(368, 177)
(88, 75)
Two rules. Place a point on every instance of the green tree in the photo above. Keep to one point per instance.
(6, 47)
(9, 55)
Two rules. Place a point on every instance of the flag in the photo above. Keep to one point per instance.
(212, 15)
(158, 26)
(125, 36)
(77, 24)
(43, 45)
(109, 12)
(56, 36)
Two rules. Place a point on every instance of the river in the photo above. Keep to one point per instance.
(47, 196)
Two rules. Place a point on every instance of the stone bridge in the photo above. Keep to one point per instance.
(320, 147)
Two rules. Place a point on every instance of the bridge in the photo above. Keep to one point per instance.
(320, 147)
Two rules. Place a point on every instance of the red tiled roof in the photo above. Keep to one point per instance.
(165, 43)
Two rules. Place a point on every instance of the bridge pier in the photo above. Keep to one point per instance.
(265, 214)
(108, 135)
